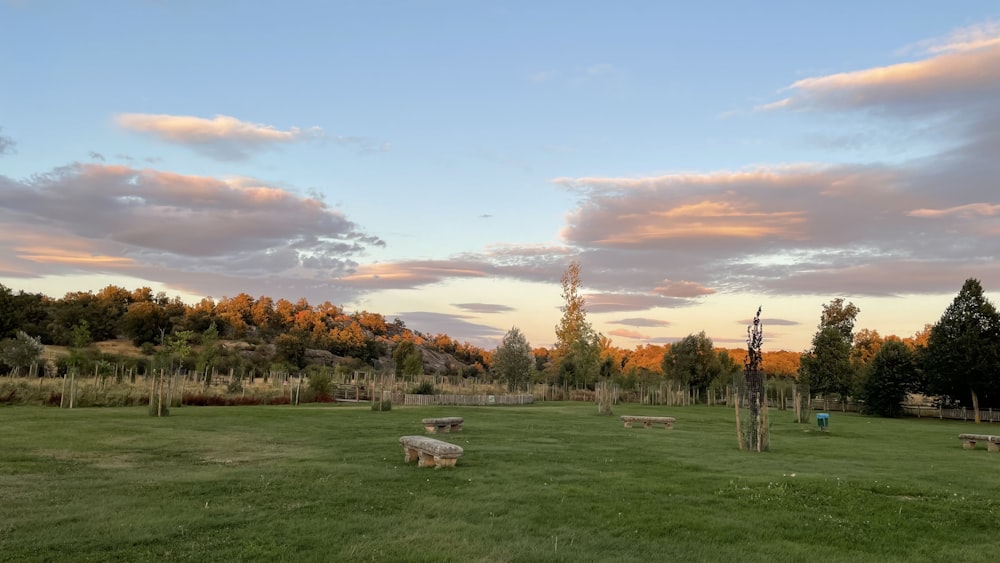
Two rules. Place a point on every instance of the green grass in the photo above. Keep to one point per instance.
(549, 482)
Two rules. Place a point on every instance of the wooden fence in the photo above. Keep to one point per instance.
(467, 400)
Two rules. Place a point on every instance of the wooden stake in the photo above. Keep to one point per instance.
(739, 430)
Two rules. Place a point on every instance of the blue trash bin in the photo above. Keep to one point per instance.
(823, 420)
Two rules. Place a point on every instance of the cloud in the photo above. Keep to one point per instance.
(624, 333)
(682, 289)
(488, 308)
(616, 302)
(770, 322)
(7, 145)
(432, 323)
(641, 321)
(94, 155)
(811, 228)
(222, 137)
(971, 38)
(363, 144)
(119, 219)
(970, 210)
(962, 71)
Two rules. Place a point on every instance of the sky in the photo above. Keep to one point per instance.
(442, 162)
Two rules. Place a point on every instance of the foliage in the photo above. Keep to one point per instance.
(840, 316)
(21, 351)
(963, 351)
(693, 361)
(827, 367)
(383, 405)
(423, 388)
(320, 382)
(408, 359)
(891, 374)
(577, 351)
(290, 349)
(513, 361)
(143, 321)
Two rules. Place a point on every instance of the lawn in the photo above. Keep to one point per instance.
(548, 482)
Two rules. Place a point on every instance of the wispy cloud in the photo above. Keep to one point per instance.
(7, 145)
(487, 308)
(431, 323)
(641, 321)
(625, 333)
(222, 137)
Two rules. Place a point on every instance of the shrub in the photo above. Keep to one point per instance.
(423, 388)
(319, 383)
(384, 405)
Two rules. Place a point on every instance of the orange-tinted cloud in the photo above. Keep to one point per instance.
(221, 137)
(625, 333)
(682, 288)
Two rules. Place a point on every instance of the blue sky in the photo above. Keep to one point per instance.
(444, 161)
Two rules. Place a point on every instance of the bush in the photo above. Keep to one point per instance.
(319, 382)
(385, 405)
(423, 388)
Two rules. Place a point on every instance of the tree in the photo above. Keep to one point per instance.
(409, 360)
(21, 351)
(143, 321)
(290, 348)
(840, 316)
(963, 351)
(827, 367)
(891, 374)
(577, 350)
(513, 360)
(693, 361)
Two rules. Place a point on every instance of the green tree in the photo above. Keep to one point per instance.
(826, 368)
(408, 359)
(963, 351)
(144, 322)
(513, 360)
(21, 351)
(577, 352)
(841, 316)
(891, 374)
(290, 349)
(693, 361)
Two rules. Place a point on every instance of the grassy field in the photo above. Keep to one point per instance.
(549, 482)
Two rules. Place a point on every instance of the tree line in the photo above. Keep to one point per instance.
(956, 359)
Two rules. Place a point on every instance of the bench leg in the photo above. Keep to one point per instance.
(993, 447)
(430, 428)
(969, 444)
(456, 427)
(444, 428)
(647, 424)
(426, 460)
(628, 424)
(410, 454)
(440, 462)
(668, 425)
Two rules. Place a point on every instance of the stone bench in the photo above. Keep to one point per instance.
(429, 451)
(969, 441)
(446, 424)
(649, 421)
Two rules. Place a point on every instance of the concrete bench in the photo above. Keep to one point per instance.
(969, 441)
(445, 424)
(649, 421)
(429, 451)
